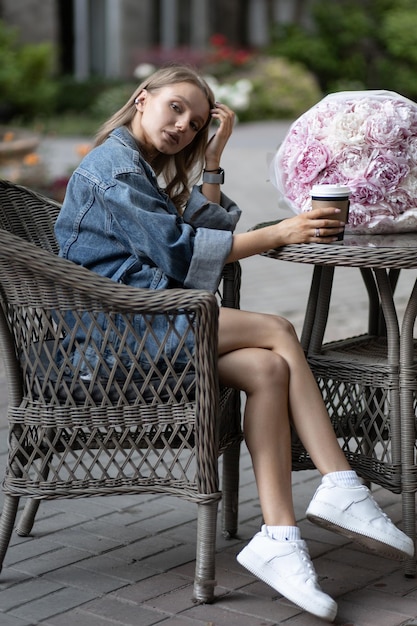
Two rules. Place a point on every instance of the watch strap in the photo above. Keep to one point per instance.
(215, 178)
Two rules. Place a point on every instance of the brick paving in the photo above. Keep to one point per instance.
(129, 561)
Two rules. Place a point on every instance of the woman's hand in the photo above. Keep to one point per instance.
(315, 226)
(218, 141)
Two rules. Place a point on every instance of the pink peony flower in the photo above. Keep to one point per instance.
(311, 161)
(366, 140)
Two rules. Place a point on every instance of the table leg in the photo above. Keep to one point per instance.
(310, 315)
(408, 379)
(317, 312)
(374, 303)
(376, 322)
(393, 358)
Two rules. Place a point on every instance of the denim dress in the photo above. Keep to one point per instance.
(118, 222)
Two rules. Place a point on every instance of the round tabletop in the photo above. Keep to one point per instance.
(388, 251)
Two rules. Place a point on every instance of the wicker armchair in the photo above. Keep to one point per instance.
(131, 424)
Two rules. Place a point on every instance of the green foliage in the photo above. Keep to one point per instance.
(316, 53)
(359, 44)
(26, 85)
(399, 32)
(96, 95)
(281, 89)
(78, 96)
(111, 100)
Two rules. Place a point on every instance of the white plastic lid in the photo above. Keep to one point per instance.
(330, 190)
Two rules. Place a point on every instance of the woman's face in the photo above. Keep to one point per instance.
(169, 118)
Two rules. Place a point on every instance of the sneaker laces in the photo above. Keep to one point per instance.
(376, 505)
(302, 549)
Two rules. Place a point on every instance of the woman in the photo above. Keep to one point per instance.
(118, 221)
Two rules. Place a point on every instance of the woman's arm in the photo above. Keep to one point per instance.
(215, 147)
(302, 228)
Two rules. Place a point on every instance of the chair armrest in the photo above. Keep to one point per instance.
(103, 293)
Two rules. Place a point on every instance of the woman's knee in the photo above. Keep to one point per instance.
(243, 329)
(283, 326)
(278, 334)
(269, 368)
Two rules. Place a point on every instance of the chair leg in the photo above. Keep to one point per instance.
(27, 519)
(230, 491)
(409, 527)
(7, 521)
(204, 581)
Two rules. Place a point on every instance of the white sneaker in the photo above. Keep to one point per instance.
(287, 567)
(353, 512)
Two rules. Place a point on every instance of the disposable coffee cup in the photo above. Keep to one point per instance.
(334, 196)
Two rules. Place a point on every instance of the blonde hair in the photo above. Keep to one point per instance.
(182, 170)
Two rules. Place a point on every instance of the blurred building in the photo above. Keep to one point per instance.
(110, 37)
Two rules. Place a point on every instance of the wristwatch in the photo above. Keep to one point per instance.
(215, 177)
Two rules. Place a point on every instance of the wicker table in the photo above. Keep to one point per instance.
(369, 382)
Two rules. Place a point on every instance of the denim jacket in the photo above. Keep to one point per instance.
(118, 222)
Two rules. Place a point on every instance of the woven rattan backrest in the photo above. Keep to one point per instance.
(29, 215)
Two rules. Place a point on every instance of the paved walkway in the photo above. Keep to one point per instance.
(129, 561)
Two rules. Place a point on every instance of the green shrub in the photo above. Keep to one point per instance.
(26, 85)
(281, 89)
(399, 32)
(356, 45)
(75, 95)
(111, 100)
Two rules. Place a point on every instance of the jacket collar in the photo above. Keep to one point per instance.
(123, 135)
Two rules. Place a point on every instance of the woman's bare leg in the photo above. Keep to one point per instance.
(242, 329)
(264, 378)
(261, 355)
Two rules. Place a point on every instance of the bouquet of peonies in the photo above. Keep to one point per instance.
(366, 140)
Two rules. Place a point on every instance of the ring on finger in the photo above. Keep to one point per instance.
(317, 233)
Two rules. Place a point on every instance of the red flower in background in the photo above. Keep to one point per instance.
(241, 57)
(218, 40)
(224, 53)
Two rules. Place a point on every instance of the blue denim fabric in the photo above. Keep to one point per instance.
(118, 222)
(87, 358)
